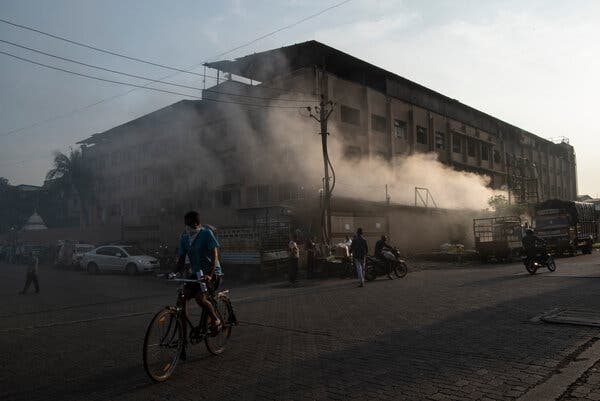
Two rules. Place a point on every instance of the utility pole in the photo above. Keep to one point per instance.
(324, 110)
(387, 195)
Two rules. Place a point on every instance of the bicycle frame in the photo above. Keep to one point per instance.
(183, 317)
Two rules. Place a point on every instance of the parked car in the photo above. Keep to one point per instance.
(80, 250)
(125, 258)
(70, 254)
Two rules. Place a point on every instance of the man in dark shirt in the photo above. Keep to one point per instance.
(532, 244)
(380, 246)
(359, 250)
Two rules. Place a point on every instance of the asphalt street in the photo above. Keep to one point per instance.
(459, 332)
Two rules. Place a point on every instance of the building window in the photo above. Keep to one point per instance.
(353, 153)
(289, 191)
(263, 194)
(378, 123)
(497, 156)
(456, 148)
(421, 135)
(350, 115)
(440, 140)
(470, 147)
(485, 152)
(400, 129)
(381, 155)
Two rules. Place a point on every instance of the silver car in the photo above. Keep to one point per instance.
(123, 258)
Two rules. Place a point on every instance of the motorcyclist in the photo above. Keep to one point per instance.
(381, 246)
(532, 244)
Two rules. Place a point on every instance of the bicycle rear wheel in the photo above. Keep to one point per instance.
(215, 343)
(162, 345)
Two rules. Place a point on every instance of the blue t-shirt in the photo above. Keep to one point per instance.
(200, 251)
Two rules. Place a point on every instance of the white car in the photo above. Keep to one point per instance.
(123, 258)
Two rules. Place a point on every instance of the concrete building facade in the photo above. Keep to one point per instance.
(151, 169)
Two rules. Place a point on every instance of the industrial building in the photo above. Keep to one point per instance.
(248, 147)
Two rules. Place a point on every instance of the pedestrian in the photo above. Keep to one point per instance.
(310, 257)
(294, 257)
(32, 274)
(359, 250)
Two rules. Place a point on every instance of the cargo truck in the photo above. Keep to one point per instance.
(566, 226)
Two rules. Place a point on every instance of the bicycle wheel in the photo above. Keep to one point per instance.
(215, 343)
(162, 345)
(400, 269)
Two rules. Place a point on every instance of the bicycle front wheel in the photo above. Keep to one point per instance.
(163, 345)
(215, 343)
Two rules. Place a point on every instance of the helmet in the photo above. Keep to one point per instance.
(384, 238)
(529, 231)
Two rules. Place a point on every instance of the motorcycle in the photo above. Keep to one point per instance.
(390, 263)
(542, 258)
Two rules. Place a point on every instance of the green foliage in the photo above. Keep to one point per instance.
(500, 206)
(70, 174)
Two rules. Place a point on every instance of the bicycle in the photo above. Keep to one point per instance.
(164, 340)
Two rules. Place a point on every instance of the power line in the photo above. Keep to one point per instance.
(180, 70)
(141, 86)
(152, 79)
(119, 95)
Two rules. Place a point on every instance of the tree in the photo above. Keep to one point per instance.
(70, 174)
(3, 182)
(498, 202)
(501, 207)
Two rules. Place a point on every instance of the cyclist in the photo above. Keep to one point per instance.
(201, 247)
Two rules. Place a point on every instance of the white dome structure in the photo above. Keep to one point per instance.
(35, 222)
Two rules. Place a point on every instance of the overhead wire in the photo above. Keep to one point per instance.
(119, 95)
(143, 87)
(180, 70)
(152, 79)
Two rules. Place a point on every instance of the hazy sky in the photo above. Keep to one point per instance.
(534, 64)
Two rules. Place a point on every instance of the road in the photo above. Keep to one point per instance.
(459, 332)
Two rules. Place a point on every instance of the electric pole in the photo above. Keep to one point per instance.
(324, 110)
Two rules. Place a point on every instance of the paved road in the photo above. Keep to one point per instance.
(458, 333)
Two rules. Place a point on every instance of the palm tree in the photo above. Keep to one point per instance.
(69, 173)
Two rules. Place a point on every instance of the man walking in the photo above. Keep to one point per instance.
(294, 257)
(359, 250)
(32, 270)
(310, 257)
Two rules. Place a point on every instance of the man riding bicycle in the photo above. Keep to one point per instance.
(201, 247)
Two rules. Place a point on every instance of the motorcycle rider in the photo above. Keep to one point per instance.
(381, 246)
(531, 244)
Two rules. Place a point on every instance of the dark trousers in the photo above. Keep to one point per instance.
(32, 276)
(293, 273)
(310, 265)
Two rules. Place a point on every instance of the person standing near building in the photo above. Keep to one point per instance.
(32, 270)
(359, 250)
(310, 257)
(294, 257)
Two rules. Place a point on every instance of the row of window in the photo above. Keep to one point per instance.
(351, 115)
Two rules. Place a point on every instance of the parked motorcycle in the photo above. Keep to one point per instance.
(391, 263)
(542, 258)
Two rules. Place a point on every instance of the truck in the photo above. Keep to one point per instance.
(498, 237)
(566, 226)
